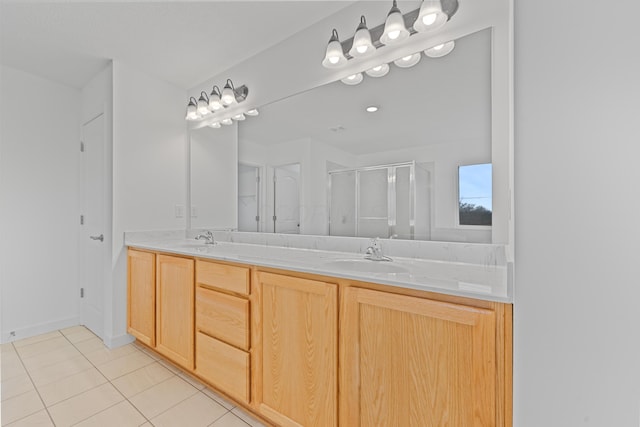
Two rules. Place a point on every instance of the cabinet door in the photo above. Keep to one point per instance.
(296, 369)
(141, 296)
(175, 309)
(407, 361)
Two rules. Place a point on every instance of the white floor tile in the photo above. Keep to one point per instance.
(229, 420)
(122, 415)
(37, 338)
(124, 365)
(50, 357)
(20, 406)
(60, 370)
(39, 419)
(196, 411)
(70, 386)
(85, 405)
(142, 379)
(159, 398)
(14, 386)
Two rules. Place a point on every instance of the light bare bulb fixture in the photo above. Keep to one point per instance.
(440, 50)
(334, 57)
(215, 103)
(192, 109)
(378, 71)
(430, 17)
(408, 60)
(353, 79)
(228, 94)
(203, 104)
(394, 28)
(362, 44)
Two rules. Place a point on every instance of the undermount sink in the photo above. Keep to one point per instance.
(365, 265)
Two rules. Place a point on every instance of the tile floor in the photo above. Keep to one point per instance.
(69, 378)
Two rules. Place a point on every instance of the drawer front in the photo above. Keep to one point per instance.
(223, 366)
(222, 276)
(223, 316)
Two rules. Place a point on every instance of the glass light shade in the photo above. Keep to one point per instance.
(215, 125)
(408, 61)
(362, 45)
(372, 109)
(252, 112)
(394, 28)
(227, 122)
(214, 102)
(334, 57)
(203, 106)
(192, 110)
(353, 79)
(430, 17)
(239, 117)
(378, 70)
(228, 96)
(440, 50)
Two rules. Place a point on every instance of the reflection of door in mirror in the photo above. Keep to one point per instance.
(286, 199)
(248, 198)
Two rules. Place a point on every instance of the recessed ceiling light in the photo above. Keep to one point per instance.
(372, 109)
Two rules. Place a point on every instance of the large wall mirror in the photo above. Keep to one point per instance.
(330, 165)
(319, 163)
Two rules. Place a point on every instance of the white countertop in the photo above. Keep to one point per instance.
(480, 281)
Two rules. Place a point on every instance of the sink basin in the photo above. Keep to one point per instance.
(366, 266)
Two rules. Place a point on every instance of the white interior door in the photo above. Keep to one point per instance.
(92, 235)
(286, 215)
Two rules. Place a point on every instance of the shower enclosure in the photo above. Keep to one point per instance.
(380, 201)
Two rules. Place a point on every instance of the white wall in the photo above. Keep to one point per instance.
(149, 169)
(577, 311)
(39, 223)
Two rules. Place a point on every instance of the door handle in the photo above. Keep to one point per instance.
(100, 237)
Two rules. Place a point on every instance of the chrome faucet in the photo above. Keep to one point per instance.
(208, 237)
(374, 252)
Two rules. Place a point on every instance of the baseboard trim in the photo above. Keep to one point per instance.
(119, 341)
(39, 329)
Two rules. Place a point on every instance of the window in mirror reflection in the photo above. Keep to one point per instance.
(474, 194)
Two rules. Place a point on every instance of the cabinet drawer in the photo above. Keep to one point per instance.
(224, 366)
(223, 316)
(222, 276)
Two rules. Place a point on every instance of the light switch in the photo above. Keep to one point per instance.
(179, 211)
(194, 211)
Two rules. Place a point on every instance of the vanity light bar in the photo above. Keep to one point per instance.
(217, 101)
(397, 28)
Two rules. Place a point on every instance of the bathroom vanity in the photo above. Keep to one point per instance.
(305, 337)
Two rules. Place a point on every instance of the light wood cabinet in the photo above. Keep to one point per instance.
(222, 327)
(295, 358)
(407, 361)
(300, 350)
(175, 309)
(141, 292)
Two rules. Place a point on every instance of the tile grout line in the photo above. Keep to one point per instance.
(34, 388)
(110, 383)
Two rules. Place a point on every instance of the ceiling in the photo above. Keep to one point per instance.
(182, 42)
